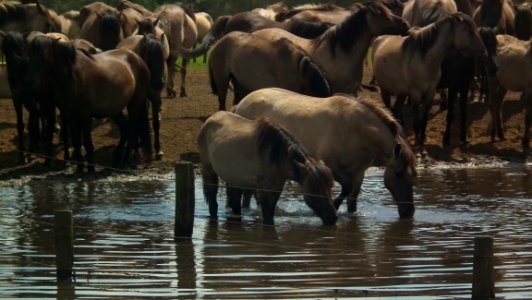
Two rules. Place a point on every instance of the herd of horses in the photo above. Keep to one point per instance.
(295, 75)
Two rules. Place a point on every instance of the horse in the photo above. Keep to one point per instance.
(100, 25)
(13, 47)
(496, 14)
(124, 4)
(329, 13)
(424, 12)
(15, 16)
(100, 85)
(177, 23)
(523, 21)
(349, 134)
(251, 62)
(417, 61)
(151, 50)
(129, 20)
(271, 11)
(251, 22)
(70, 23)
(266, 156)
(341, 50)
(511, 65)
(203, 24)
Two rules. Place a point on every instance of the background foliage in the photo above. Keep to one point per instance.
(213, 7)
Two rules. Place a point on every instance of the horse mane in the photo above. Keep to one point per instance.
(421, 39)
(276, 143)
(71, 15)
(353, 26)
(110, 27)
(307, 29)
(383, 114)
(11, 11)
(188, 10)
(309, 69)
(490, 12)
(434, 14)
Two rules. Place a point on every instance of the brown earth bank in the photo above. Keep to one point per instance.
(182, 118)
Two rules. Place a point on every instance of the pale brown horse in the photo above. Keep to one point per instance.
(102, 85)
(511, 70)
(177, 23)
(70, 23)
(15, 16)
(341, 50)
(124, 4)
(423, 12)
(348, 134)
(251, 62)
(496, 14)
(266, 156)
(152, 51)
(416, 63)
(204, 24)
(271, 11)
(100, 25)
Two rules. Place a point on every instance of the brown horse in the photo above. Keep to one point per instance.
(177, 23)
(70, 23)
(15, 16)
(101, 85)
(271, 11)
(251, 62)
(511, 70)
(124, 4)
(523, 22)
(129, 19)
(315, 13)
(151, 50)
(266, 156)
(348, 134)
(100, 25)
(423, 12)
(341, 50)
(416, 61)
(496, 14)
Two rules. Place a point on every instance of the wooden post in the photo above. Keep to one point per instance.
(64, 244)
(184, 200)
(483, 269)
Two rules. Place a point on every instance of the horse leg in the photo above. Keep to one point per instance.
(496, 99)
(353, 195)
(170, 91)
(386, 98)
(183, 78)
(450, 116)
(156, 122)
(118, 154)
(346, 189)
(234, 197)
(246, 198)
(268, 200)
(33, 128)
(210, 189)
(20, 131)
(500, 122)
(86, 127)
(64, 134)
(464, 96)
(398, 108)
(75, 135)
(423, 124)
(49, 115)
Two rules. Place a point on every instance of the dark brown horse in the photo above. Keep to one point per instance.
(496, 14)
(101, 85)
(100, 25)
(252, 63)
(523, 22)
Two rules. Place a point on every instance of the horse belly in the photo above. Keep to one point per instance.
(112, 96)
(512, 73)
(234, 167)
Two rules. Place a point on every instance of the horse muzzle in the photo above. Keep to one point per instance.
(406, 211)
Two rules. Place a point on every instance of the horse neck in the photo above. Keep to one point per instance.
(442, 45)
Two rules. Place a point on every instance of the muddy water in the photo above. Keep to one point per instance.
(124, 243)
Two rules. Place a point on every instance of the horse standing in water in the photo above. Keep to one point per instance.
(340, 51)
(152, 51)
(348, 134)
(416, 61)
(101, 85)
(251, 62)
(258, 155)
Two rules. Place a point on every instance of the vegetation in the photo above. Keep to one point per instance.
(213, 7)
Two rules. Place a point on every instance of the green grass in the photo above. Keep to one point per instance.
(198, 65)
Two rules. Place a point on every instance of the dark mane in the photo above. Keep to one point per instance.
(277, 144)
(434, 14)
(343, 34)
(315, 7)
(188, 10)
(308, 30)
(110, 30)
(523, 22)
(490, 12)
(11, 11)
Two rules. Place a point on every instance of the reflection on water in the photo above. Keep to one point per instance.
(124, 243)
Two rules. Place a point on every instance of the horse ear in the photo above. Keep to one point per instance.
(156, 21)
(397, 149)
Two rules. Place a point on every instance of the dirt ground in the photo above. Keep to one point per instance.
(182, 118)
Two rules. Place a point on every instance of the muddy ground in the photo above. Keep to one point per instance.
(182, 118)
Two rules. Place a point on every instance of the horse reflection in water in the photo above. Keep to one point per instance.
(259, 155)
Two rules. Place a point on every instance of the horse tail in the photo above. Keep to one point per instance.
(11, 11)
(523, 22)
(216, 32)
(214, 89)
(110, 31)
(319, 86)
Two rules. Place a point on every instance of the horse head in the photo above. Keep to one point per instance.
(399, 178)
(380, 19)
(466, 36)
(152, 52)
(41, 19)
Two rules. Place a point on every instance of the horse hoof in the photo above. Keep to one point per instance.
(183, 94)
(159, 156)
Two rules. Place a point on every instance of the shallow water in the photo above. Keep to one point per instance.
(124, 243)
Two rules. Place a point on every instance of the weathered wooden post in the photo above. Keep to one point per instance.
(64, 244)
(483, 269)
(184, 200)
